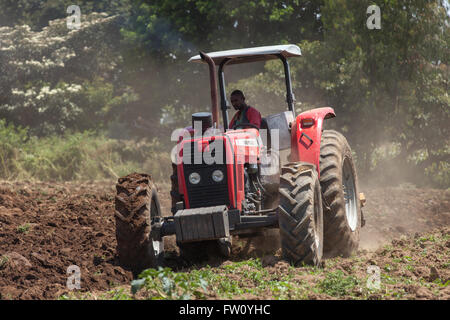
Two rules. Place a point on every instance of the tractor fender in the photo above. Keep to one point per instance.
(306, 133)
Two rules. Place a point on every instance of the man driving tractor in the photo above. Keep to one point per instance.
(245, 114)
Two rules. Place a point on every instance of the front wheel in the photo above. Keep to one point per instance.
(137, 205)
(300, 214)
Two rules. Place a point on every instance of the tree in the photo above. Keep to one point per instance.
(37, 13)
(389, 87)
(47, 76)
(163, 34)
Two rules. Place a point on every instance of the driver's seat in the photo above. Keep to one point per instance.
(281, 122)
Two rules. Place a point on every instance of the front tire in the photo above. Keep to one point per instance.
(300, 214)
(136, 204)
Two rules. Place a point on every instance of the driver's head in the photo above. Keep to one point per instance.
(238, 99)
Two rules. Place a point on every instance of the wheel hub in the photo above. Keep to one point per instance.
(348, 184)
(316, 221)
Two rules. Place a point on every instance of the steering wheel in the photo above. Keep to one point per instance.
(245, 125)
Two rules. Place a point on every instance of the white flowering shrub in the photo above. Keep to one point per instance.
(47, 77)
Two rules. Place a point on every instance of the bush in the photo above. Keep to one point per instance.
(10, 140)
(77, 156)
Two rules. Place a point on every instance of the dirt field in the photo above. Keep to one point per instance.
(46, 227)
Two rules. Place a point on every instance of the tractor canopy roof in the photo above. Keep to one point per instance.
(251, 54)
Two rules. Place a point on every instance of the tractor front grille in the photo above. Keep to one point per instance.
(206, 196)
(207, 192)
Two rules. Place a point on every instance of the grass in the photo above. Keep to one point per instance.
(3, 261)
(248, 279)
(245, 278)
(77, 156)
(24, 228)
(114, 294)
(341, 278)
(422, 240)
(336, 284)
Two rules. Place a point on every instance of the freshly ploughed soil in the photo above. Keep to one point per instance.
(47, 227)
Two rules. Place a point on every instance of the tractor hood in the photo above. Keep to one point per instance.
(241, 146)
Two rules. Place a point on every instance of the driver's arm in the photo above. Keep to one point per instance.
(254, 117)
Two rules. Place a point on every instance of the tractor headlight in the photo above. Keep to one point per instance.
(217, 175)
(194, 178)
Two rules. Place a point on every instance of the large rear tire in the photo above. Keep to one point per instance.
(136, 204)
(339, 183)
(300, 214)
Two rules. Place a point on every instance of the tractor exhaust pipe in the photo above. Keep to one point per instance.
(213, 82)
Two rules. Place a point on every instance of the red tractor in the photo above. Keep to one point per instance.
(289, 174)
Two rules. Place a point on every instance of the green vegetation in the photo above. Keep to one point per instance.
(251, 282)
(24, 228)
(341, 278)
(245, 278)
(3, 261)
(76, 156)
(422, 240)
(165, 284)
(336, 284)
(114, 294)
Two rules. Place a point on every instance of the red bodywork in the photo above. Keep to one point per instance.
(305, 137)
(244, 146)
